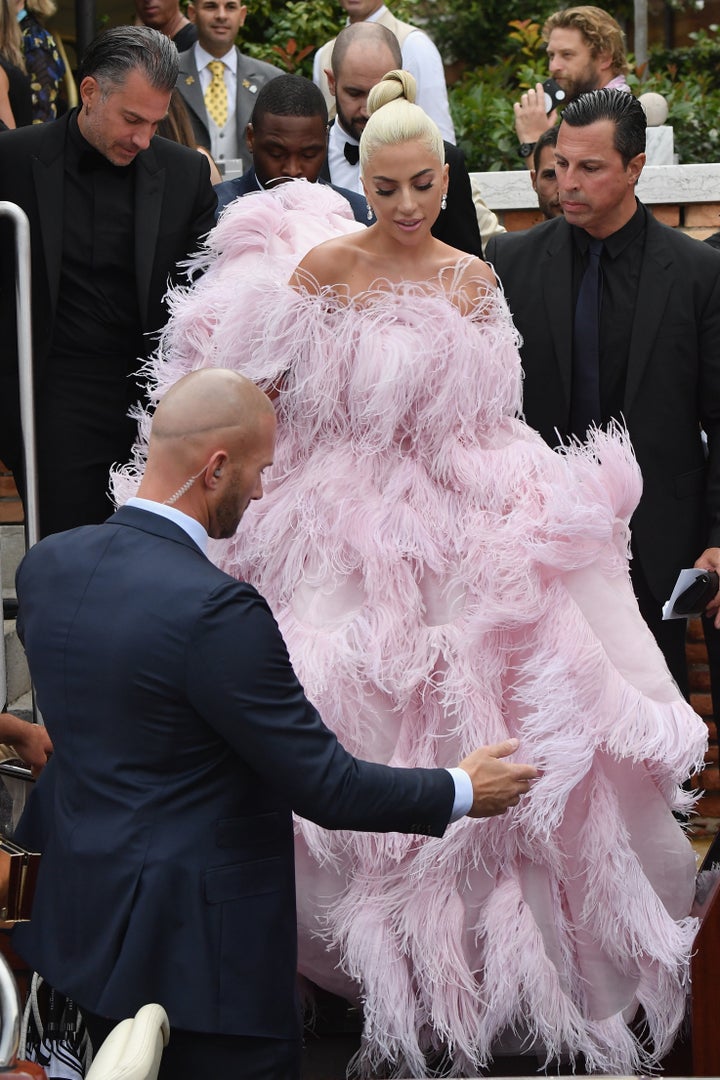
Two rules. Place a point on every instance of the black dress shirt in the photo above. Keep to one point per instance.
(97, 315)
(621, 261)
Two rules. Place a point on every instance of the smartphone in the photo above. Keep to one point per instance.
(554, 95)
(695, 599)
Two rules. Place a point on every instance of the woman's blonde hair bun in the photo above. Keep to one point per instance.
(395, 86)
(395, 118)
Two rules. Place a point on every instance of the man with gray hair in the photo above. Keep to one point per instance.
(112, 212)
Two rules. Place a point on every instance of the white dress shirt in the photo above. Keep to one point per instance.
(203, 58)
(342, 173)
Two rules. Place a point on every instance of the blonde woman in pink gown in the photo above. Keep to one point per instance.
(444, 580)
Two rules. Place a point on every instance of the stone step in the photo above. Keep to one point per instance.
(17, 675)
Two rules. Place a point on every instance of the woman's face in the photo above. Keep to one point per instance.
(404, 184)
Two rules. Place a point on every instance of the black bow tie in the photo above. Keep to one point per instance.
(352, 152)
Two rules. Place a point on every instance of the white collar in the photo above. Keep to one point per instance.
(189, 525)
(376, 14)
(203, 58)
(340, 134)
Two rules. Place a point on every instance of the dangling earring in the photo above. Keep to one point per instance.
(443, 201)
(370, 214)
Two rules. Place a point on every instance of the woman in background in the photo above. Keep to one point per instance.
(15, 91)
(43, 61)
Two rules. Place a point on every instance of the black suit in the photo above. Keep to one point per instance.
(182, 740)
(457, 225)
(672, 384)
(173, 208)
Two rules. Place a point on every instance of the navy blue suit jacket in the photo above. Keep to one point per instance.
(230, 190)
(183, 740)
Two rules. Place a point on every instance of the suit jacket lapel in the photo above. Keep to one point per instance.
(245, 96)
(191, 81)
(653, 295)
(149, 189)
(48, 173)
(556, 276)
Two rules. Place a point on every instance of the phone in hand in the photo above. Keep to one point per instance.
(554, 95)
(695, 599)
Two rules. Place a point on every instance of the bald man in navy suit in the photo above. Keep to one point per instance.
(183, 741)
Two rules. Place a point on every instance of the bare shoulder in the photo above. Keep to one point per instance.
(331, 262)
(475, 279)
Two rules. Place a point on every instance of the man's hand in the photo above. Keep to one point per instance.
(710, 560)
(531, 120)
(497, 784)
(30, 742)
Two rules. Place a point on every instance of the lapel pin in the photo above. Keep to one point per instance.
(189, 80)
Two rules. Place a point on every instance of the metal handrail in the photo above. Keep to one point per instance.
(25, 364)
(10, 1012)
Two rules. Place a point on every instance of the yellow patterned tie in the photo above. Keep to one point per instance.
(216, 99)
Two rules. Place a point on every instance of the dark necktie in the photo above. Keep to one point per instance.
(352, 152)
(585, 407)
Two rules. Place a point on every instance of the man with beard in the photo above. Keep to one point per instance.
(218, 83)
(585, 51)
(419, 56)
(182, 742)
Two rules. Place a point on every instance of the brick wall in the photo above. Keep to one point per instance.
(11, 511)
(709, 781)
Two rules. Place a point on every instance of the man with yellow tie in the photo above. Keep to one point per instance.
(219, 83)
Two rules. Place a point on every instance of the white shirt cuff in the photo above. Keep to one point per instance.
(463, 794)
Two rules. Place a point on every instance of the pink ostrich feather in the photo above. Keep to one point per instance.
(443, 580)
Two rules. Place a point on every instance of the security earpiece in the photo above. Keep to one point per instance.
(218, 472)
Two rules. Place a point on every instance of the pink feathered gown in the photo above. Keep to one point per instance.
(444, 580)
